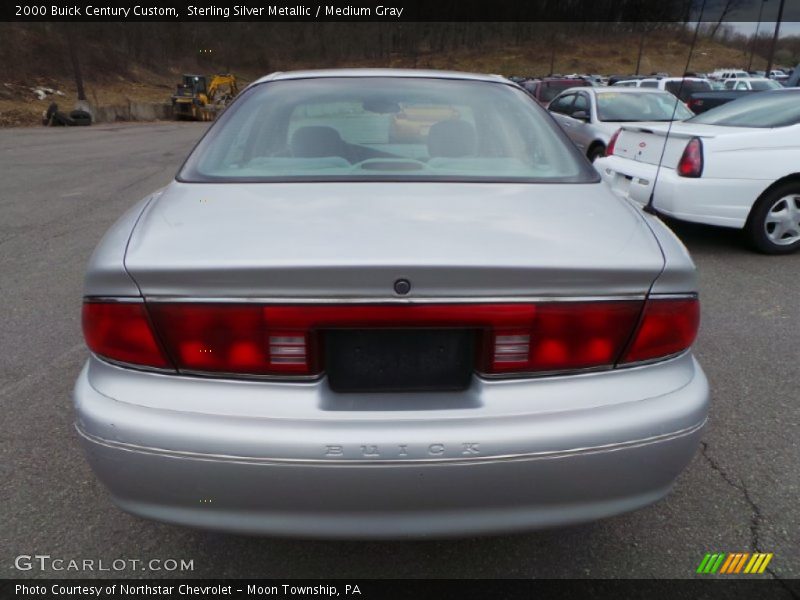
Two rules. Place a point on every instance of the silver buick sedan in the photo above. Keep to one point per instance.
(380, 303)
(592, 116)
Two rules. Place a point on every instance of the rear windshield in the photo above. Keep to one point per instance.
(551, 89)
(647, 106)
(767, 84)
(376, 128)
(766, 109)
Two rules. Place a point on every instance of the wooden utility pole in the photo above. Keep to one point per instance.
(76, 66)
(641, 47)
(775, 37)
(755, 37)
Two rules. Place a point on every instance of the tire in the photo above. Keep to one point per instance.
(80, 117)
(773, 226)
(596, 152)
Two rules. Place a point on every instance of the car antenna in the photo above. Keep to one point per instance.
(648, 208)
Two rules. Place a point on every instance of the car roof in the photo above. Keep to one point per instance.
(612, 90)
(550, 79)
(424, 73)
(670, 79)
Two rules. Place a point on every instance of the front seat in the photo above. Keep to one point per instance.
(454, 138)
(317, 141)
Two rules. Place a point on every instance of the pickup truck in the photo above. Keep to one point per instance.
(700, 102)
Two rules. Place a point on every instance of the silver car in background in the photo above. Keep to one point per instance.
(591, 116)
(388, 303)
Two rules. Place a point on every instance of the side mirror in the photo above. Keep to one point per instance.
(581, 115)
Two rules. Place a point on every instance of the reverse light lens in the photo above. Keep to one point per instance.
(668, 326)
(563, 336)
(120, 331)
(232, 338)
(691, 162)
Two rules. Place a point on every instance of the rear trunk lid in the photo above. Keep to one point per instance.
(354, 240)
(645, 143)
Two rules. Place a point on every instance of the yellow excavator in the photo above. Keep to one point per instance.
(199, 100)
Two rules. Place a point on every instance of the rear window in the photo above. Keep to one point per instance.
(767, 84)
(767, 109)
(647, 106)
(551, 89)
(376, 128)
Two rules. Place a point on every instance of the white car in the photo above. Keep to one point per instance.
(778, 75)
(723, 74)
(737, 165)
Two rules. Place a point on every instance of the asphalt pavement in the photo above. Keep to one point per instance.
(59, 191)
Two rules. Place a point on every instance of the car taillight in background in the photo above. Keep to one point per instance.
(612, 142)
(695, 103)
(691, 162)
(286, 340)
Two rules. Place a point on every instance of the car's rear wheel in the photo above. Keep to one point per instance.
(596, 152)
(774, 223)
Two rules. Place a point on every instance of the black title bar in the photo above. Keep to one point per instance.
(371, 589)
(388, 11)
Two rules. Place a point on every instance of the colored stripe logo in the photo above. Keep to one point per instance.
(733, 563)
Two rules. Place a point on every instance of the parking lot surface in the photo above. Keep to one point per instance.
(61, 189)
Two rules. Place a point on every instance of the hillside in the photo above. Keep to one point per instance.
(38, 57)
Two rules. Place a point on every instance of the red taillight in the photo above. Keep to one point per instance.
(668, 326)
(691, 162)
(286, 340)
(562, 336)
(233, 338)
(120, 331)
(275, 339)
(612, 142)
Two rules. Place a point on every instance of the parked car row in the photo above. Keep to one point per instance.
(735, 165)
(699, 91)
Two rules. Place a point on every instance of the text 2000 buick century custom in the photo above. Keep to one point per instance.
(384, 304)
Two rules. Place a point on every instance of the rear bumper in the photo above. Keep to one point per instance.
(483, 467)
(713, 201)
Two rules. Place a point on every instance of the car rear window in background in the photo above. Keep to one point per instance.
(551, 89)
(767, 109)
(648, 106)
(767, 84)
(689, 87)
(375, 128)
